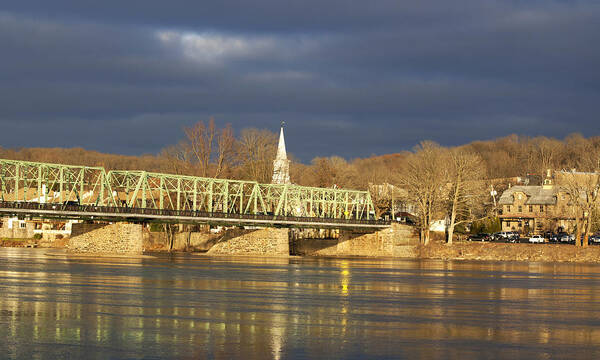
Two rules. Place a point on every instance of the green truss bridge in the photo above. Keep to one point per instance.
(34, 189)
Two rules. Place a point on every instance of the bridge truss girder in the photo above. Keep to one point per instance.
(34, 182)
(26, 181)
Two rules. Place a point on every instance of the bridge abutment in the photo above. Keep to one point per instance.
(396, 241)
(267, 241)
(119, 238)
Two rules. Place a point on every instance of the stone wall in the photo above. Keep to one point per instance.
(397, 241)
(268, 241)
(119, 238)
(11, 228)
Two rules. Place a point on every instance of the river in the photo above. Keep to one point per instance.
(196, 307)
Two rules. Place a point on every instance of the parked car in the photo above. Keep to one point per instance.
(497, 236)
(537, 239)
(566, 238)
(548, 235)
(552, 237)
(513, 236)
(504, 235)
(479, 237)
(594, 239)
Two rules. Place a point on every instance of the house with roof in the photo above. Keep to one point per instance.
(535, 209)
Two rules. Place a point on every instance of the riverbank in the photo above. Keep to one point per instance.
(34, 243)
(436, 250)
(9, 242)
(510, 252)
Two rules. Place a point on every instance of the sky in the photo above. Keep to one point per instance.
(349, 78)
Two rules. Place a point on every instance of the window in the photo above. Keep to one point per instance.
(530, 208)
(541, 208)
(520, 208)
(507, 208)
(22, 225)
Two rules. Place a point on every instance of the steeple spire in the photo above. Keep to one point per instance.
(281, 164)
(281, 154)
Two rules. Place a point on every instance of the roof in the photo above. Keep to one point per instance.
(536, 195)
(281, 154)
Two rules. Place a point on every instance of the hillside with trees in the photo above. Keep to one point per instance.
(209, 150)
(439, 181)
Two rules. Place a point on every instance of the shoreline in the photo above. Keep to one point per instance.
(510, 252)
(458, 251)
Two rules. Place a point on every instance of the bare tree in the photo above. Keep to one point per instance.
(333, 171)
(200, 139)
(256, 151)
(385, 198)
(225, 150)
(177, 158)
(584, 192)
(425, 179)
(545, 154)
(466, 188)
(205, 151)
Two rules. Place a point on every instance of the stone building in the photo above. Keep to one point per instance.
(14, 228)
(49, 230)
(537, 209)
(281, 164)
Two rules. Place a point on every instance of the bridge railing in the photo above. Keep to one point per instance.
(108, 211)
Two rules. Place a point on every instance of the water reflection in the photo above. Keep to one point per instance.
(193, 307)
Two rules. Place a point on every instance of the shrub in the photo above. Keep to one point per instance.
(37, 236)
(156, 227)
(490, 225)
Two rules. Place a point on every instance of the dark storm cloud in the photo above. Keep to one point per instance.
(349, 79)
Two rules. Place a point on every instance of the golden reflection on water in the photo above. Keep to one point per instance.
(251, 308)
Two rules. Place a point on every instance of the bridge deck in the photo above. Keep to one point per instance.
(108, 213)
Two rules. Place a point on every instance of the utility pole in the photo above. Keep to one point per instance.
(393, 212)
(494, 193)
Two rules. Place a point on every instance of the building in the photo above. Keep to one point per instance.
(281, 164)
(14, 228)
(537, 208)
(46, 229)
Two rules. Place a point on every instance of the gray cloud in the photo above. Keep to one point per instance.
(349, 79)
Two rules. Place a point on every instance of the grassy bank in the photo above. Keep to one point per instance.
(510, 252)
(9, 242)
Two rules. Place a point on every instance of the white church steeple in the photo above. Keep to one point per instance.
(281, 164)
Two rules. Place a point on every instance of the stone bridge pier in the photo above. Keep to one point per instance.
(396, 241)
(119, 239)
